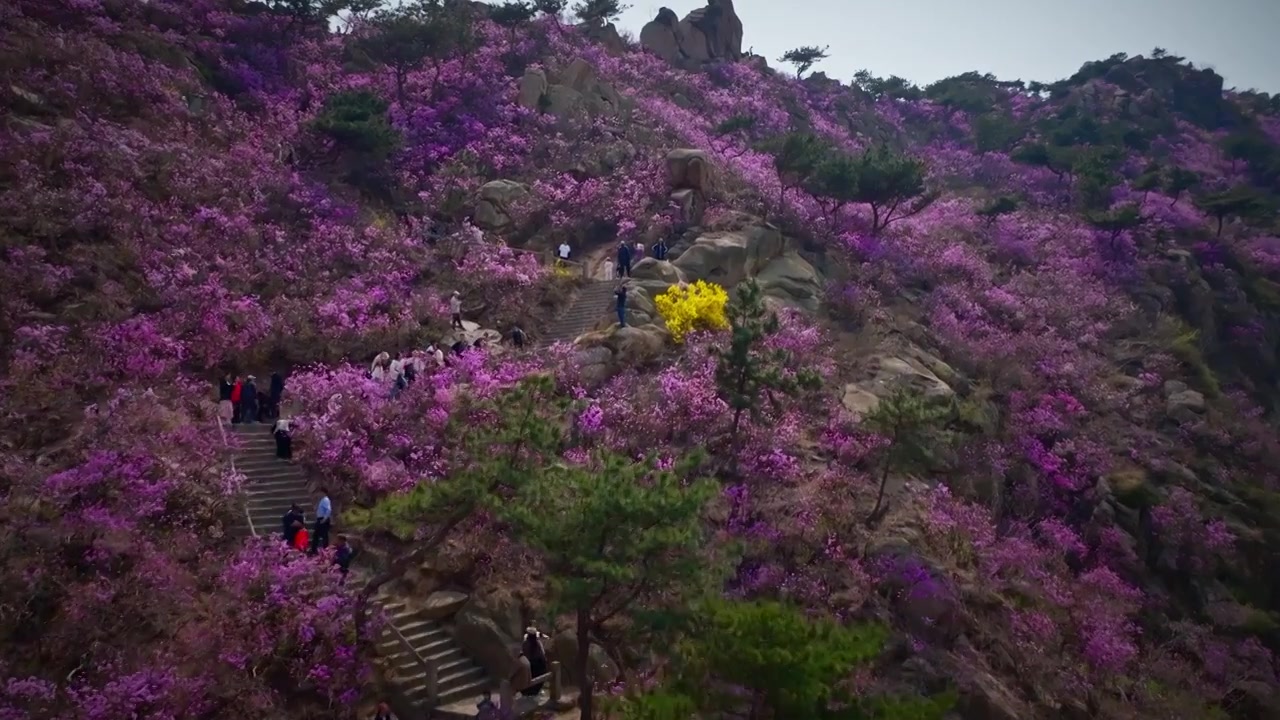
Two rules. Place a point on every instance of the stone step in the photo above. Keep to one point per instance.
(472, 691)
(448, 684)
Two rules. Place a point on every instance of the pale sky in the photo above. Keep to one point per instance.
(1046, 40)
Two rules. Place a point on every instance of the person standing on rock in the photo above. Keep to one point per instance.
(324, 520)
(517, 337)
(563, 251)
(291, 521)
(249, 402)
(624, 259)
(621, 295)
(660, 249)
(638, 255)
(226, 408)
(455, 308)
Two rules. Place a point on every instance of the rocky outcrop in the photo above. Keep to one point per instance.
(1182, 404)
(564, 649)
(489, 631)
(442, 604)
(793, 280)
(496, 203)
(706, 34)
(909, 367)
(688, 168)
(729, 257)
(574, 93)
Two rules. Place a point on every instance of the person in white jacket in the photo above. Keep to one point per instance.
(381, 368)
(455, 309)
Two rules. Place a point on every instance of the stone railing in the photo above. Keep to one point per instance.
(507, 692)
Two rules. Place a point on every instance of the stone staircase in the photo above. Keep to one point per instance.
(459, 680)
(592, 303)
(272, 485)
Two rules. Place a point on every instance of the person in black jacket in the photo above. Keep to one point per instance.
(277, 392)
(249, 401)
(624, 259)
(291, 521)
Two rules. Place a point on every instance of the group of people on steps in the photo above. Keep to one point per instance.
(293, 528)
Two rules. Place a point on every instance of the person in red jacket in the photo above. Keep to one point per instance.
(301, 538)
(235, 401)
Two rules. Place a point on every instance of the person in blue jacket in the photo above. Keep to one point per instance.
(624, 259)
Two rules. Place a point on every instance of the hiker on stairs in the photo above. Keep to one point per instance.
(324, 520)
(277, 393)
(624, 259)
(284, 441)
(237, 394)
(621, 295)
(226, 409)
(292, 520)
(249, 402)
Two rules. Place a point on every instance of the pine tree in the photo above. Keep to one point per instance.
(765, 659)
(892, 184)
(411, 33)
(615, 535)
(909, 420)
(1241, 202)
(749, 374)
(489, 461)
(804, 57)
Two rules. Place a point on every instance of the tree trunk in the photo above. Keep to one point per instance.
(884, 481)
(1220, 219)
(583, 662)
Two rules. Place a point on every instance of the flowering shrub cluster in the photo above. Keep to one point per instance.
(692, 307)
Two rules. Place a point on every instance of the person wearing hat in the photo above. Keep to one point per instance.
(455, 307)
(533, 651)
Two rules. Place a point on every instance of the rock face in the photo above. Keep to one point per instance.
(1182, 404)
(574, 93)
(497, 199)
(911, 367)
(564, 649)
(706, 34)
(688, 168)
(729, 257)
(443, 603)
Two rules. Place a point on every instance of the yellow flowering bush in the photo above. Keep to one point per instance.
(697, 306)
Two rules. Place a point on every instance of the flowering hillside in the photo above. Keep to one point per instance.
(995, 420)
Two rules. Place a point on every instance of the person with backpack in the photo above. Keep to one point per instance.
(517, 337)
(249, 402)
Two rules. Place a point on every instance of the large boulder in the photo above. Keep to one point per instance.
(442, 604)
(481, 638)
(711, 33)
(626, 346)
(564, 649)
(660, 36)
(728, 257)
(793, 280)
(1182, 404)
(689, 168)
(706, 34)
(909, 367)
(497, 202)
(653, 269)
(577, 92)
(532, 87)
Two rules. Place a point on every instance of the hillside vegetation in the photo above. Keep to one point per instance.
(987, 430)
